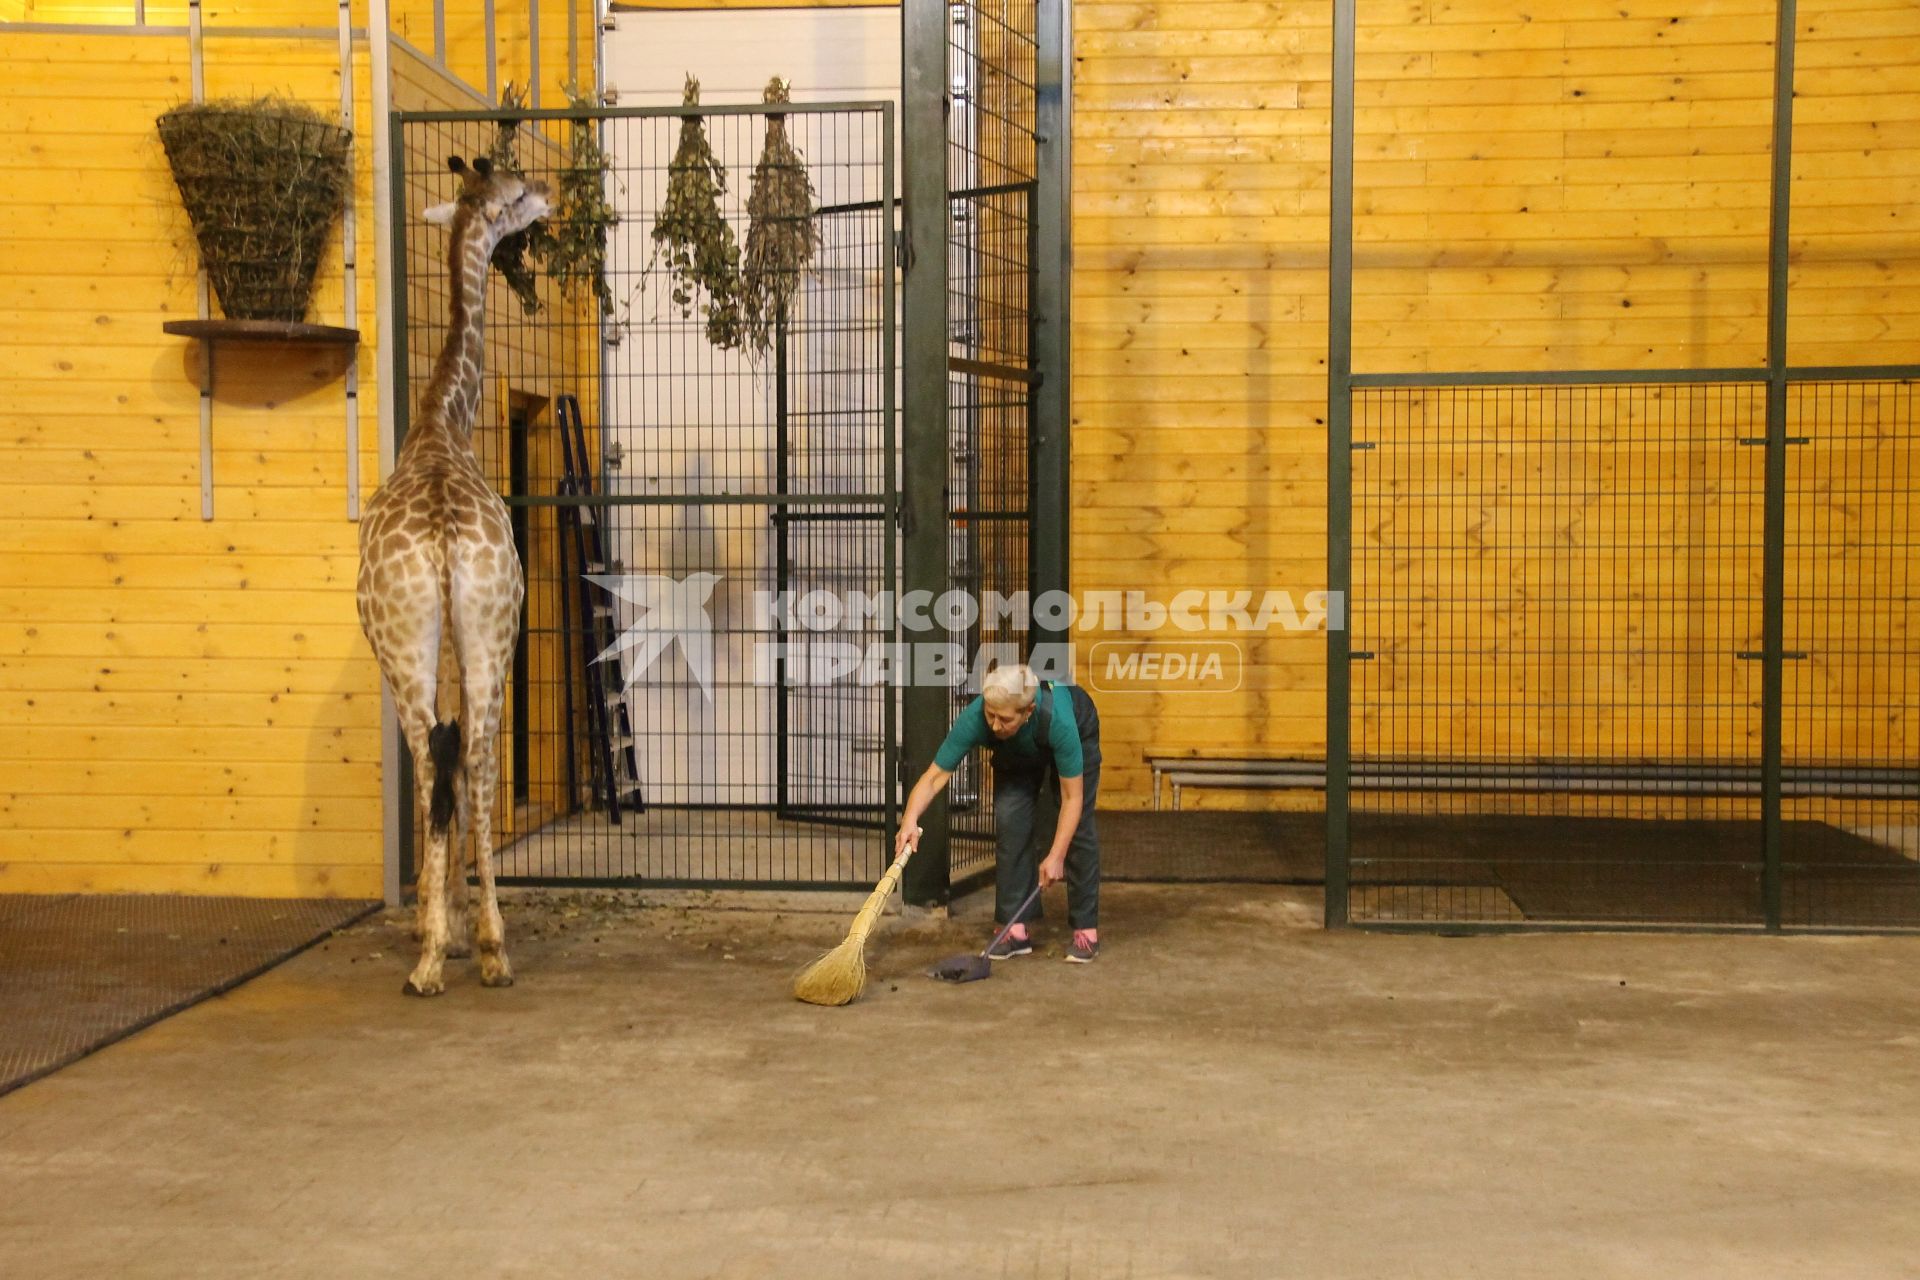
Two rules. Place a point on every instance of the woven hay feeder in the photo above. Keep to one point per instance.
(263, 182)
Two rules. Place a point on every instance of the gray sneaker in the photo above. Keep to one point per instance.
(1082, 952)
(1009, 947)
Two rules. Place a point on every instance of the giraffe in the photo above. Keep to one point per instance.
(437, 564)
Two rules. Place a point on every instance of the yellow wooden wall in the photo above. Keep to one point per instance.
(465, 24)
(412, 20)
(187, 706)
(1581, 185)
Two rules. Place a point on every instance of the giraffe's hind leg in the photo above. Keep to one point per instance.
(428, 976)
(485, 596)
(459, 939)
(482, 767)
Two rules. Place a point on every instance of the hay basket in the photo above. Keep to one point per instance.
(262, 182)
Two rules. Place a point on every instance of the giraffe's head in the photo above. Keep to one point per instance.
(494, 200)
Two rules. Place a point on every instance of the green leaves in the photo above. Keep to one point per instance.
(783, 233)
(570, 244)
(693, 239)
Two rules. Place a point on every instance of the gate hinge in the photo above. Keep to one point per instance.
(1762, 440)
(1756, 655)
(1361, 655)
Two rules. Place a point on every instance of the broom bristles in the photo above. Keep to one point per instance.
(839, 976)
(836, 977)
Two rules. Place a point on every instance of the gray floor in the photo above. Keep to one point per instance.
(1229, 1092)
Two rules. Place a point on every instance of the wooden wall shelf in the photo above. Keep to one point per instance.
(263, 331)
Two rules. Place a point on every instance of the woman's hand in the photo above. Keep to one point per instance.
(1053, 869)
(907, 837)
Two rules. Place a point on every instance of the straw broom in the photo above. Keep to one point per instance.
(839, 976)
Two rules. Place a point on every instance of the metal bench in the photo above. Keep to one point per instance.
(1719, 779)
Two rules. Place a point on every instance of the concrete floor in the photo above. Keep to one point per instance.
(1229, 1092)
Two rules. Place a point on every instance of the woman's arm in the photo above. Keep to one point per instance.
(1053, 868)
(931, 784)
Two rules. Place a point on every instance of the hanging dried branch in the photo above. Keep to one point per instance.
(783, 231)
(575, 247)
(510, 255)
(693, 235)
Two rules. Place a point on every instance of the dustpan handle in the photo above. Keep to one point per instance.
(1019, 912)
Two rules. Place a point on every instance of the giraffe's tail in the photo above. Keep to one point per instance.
(443, 744)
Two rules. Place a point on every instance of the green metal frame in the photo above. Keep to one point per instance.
(1777, 376)
(925, 505)
(400, 370)
(923, 420)
(1049, 474)
(1340, 470)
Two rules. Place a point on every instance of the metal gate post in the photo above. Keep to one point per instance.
(395, 756)
(890, 766)
(1774, 517)
(1340, 469)
(1049, 479)
(923, 427)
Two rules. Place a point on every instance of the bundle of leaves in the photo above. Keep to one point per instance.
(263, 182)
(694, 237)
(782, 231)
(510, 255)
(575, 246)
(570, 244)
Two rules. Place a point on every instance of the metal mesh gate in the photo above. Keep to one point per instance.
(991, 259)
(1625, 646)
(1850, 852)
(1557, 643)
(694, 523)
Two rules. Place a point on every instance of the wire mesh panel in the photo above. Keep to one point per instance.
(991, 164)
(1555, 614)
(699, 696)
(1851, 678)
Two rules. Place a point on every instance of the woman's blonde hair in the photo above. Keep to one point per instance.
(1010, 687)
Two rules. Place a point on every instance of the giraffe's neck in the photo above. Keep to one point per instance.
(452, 396)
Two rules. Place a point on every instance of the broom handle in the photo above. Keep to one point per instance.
(876, 902)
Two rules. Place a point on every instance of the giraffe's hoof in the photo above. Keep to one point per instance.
(417, 987)
(495, 971)
(459, 950)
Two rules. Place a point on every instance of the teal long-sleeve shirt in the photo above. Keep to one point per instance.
(970, 730)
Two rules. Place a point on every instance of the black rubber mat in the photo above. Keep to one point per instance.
(1645, 871)
(1441, 867)
(1213, 845)
(80, 971)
